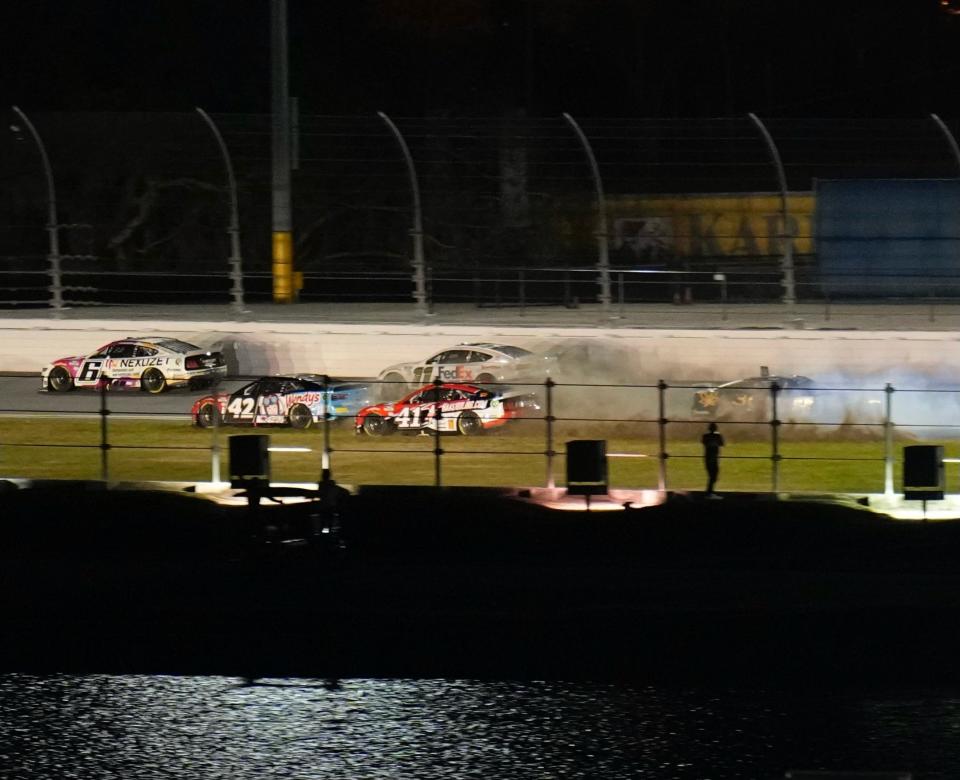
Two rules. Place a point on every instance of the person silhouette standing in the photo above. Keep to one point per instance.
(712, 442)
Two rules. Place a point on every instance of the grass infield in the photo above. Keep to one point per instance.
(844, 459)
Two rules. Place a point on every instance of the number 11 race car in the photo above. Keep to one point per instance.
(151, 364)
(297, 401)
(447, 408)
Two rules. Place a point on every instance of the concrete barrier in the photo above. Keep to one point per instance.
(363, 350)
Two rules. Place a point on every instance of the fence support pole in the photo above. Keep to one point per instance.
(775, 439)
(236, 263)
(437, 449)
(549, 384)
(662, 426)
(786, 263)
(325, 471)
(888, 441)
(603, 257)
(53, 227)
(951, 140)
(215, 441)
(104, 439)
(419, 266)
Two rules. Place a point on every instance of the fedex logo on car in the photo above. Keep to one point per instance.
(456, 373)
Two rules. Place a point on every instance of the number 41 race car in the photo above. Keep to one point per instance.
(447, 408)
(152, 364)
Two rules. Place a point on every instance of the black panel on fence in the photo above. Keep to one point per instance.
(587, 467)
(249, 460)
(923, 476)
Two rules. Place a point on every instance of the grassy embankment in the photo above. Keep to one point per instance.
(814, 460)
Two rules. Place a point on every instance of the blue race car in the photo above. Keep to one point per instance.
(298, 401)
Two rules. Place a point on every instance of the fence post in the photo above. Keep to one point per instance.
(662, 425)
(419, 277)
(888, 441)
(236, 263)
(774, 439)
(215, 439)
(786, 263)
(523, 296)
(104, 442)
(437, 449)
(53, 226)
(601, 234)
(722, 278)
(325, 450)
(549, 419)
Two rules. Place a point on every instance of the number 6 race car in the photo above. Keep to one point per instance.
(447, 408)
(297, 401)
(152, 364)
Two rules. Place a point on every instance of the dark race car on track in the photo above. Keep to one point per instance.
(447, 408)
(298, 401)
(151, 364)
(751, 399)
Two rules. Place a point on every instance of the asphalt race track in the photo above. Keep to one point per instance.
(21, 395)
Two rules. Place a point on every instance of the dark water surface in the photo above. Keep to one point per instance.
(100, 726)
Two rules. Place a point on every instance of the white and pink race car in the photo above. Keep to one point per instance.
(150, 364)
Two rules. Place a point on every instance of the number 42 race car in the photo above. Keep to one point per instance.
(447, 408)
(297, 401)
(151, 364)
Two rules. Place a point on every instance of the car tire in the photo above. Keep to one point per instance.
(300, 417)
(392, 387)
(208, 416)
(485, 379)
(376, 425)
(59, 380)
(153, 381)
(469, 424)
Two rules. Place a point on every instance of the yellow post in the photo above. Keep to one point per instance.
(283, 291)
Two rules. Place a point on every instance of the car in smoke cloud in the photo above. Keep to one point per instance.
(298, 401)
(447, 408)
(477, 363)
(152, 364)
(751, 399)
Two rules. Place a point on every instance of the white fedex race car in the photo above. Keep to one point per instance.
(480, 363)
(446, 408)
(151, 364)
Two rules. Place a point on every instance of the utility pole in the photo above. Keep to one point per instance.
(283, 276)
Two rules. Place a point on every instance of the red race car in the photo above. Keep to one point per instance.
(447, 408)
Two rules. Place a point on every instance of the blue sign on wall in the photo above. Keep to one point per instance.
(888, 237)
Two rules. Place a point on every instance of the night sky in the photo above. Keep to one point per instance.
(653, 58)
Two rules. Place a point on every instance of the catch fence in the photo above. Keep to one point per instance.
(778, 438)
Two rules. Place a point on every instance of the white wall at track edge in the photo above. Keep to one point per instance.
(641, 355)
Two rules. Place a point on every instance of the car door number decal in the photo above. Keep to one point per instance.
(242, 407)
(90, 371)
(414, 418)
